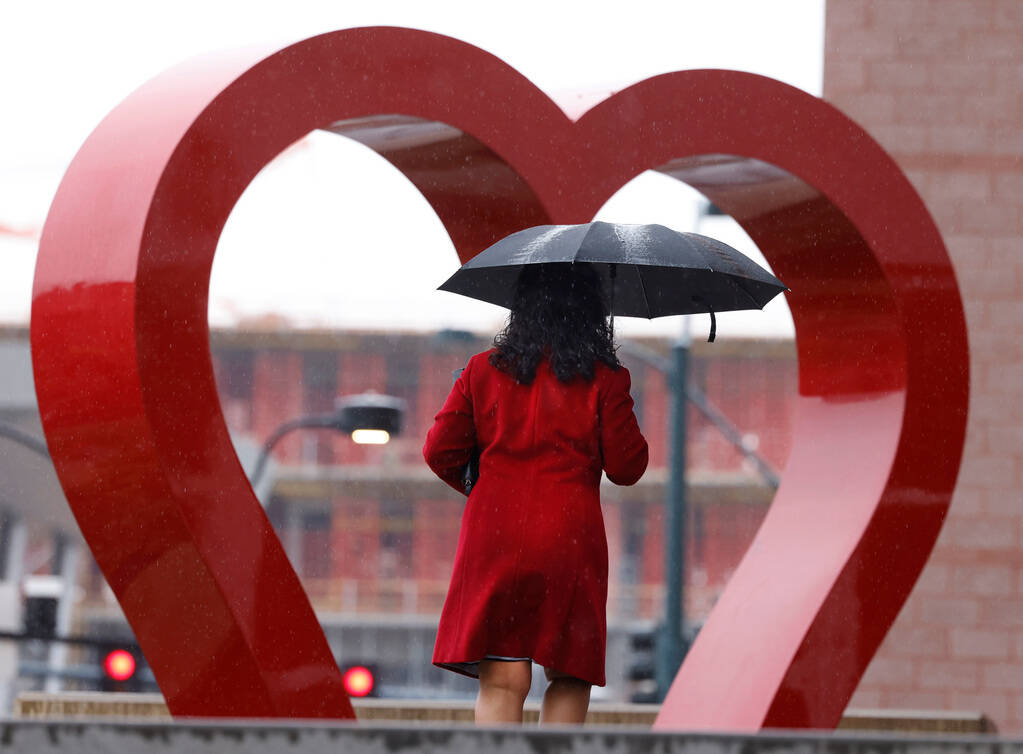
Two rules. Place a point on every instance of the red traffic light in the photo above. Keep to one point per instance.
(119, 665)
(358, 681)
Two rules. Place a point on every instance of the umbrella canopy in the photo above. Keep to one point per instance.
(648, 270)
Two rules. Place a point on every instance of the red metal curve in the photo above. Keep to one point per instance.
(131, 415)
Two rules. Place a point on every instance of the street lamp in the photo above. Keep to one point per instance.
(369, 418)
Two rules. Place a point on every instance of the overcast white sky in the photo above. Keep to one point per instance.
(66, 64)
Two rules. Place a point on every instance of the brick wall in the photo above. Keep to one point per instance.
(266, 379)
(938, 83)
(752, 383)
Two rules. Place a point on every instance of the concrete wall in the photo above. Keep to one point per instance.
(256, 737)
(938, 83)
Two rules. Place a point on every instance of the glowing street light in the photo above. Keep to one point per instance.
(371, 436)
(368, 418)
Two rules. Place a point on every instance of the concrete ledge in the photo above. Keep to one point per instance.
(37, 705)
(918, 721)
(92, 705)
(315, 737)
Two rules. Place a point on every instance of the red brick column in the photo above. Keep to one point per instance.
(276, 398)
(938, 83)
(355, 551)
(435, 539)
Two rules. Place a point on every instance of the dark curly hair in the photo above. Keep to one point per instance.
(559, 311)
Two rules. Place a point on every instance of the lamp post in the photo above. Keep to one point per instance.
(370, 419)
(672, 646)
(671, 643)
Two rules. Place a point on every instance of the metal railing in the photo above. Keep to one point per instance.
(426, 597)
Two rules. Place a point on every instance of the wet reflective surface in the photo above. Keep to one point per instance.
(129, 406)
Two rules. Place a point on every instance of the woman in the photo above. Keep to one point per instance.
(548, 409)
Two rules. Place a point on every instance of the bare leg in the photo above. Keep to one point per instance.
(503, 689)
(566, 699)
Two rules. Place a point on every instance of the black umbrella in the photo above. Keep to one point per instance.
(648, 270)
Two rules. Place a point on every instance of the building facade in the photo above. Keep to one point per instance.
(372, 532)
(938, 83)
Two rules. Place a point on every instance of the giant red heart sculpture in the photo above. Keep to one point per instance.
(130, 409)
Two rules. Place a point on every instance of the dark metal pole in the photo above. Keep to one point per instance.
(672, 645)
(22, 437)
(264, 452)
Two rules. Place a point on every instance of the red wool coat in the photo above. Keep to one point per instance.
(530, 572)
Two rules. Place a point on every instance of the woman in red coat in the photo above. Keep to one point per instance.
(548, 409)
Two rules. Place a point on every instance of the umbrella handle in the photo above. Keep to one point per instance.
(613, 272)
(713, 319)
